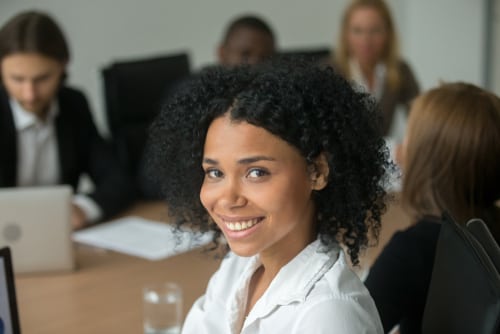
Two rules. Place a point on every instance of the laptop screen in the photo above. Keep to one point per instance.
(9, 320)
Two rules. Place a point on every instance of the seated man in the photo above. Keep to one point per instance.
(47, 135)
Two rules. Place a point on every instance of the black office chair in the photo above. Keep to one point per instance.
(464, 294)
(316, 54)
(134, 91)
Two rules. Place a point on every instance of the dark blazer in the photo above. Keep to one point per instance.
(407, 90)
(81, 151)
(404, 94)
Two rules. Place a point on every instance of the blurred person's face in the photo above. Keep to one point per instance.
(258, 190)
(246, 46)
(366, 35)
(32, 80)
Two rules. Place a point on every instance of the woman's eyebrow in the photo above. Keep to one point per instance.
(210, 161)
(243, 161)
(250, 160)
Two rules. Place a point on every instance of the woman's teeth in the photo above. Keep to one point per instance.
(243, 225)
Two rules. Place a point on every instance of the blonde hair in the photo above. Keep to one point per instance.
(390, 57)
(452, 158)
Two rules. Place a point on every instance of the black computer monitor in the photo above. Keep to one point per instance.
(9, 318)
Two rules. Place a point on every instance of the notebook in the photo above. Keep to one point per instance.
(35, 224)
(9, 319)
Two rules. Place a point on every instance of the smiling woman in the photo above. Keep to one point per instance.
(285, 162)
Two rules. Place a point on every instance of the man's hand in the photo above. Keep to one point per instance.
(78, 218)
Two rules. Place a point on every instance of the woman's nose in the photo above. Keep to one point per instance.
(231, 195)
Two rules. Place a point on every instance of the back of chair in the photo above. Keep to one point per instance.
(464, 294)
(316, 54)
(134, 91)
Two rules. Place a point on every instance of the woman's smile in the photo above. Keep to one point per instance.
(240, 224)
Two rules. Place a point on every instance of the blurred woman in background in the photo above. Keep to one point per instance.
(450, 162)
(367, 54)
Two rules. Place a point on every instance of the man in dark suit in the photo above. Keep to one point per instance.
(47, 135)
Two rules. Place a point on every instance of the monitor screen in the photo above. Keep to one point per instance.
(9, 322)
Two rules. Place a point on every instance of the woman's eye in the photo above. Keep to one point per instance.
(356, 30)
(255, 173)
(213, 173)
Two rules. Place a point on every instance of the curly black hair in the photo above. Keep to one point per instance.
(309, 106)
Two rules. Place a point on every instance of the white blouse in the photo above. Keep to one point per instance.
(316, 292)
(379, 83)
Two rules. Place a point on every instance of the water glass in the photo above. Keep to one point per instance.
(162, 308)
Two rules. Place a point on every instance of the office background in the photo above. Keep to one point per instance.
(443, 40)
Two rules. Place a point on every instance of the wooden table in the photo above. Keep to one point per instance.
(104, 294)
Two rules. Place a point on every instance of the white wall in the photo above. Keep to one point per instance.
(496, 49)
(445, 40)
(442, 39)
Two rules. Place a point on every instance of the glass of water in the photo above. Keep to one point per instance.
(162, 308)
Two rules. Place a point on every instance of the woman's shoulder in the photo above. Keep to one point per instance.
(404, 68)
(340, 315)
(340, 282)
(413, 246)
(426, 229)
(343, 299)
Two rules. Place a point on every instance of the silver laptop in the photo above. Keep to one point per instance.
(35, 224)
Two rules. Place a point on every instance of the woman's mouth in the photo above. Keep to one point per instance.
(243, 224)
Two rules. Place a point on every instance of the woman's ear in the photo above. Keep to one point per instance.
(318, 172)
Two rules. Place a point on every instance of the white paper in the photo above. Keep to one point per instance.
(141, 237)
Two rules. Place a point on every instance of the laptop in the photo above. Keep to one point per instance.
(35, 224)
(9, 318)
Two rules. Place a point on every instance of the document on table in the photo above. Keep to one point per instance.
(141, 237)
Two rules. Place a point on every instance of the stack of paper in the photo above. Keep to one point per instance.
(143, 238)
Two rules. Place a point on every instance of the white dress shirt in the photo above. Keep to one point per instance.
(38, 156)
(379, 82)
(316, 292)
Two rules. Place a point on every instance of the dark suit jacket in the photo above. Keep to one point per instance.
(81, 150)
(404, 94)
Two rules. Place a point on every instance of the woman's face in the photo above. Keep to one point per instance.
(257, 189)
(367, 35)
(32, 79)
